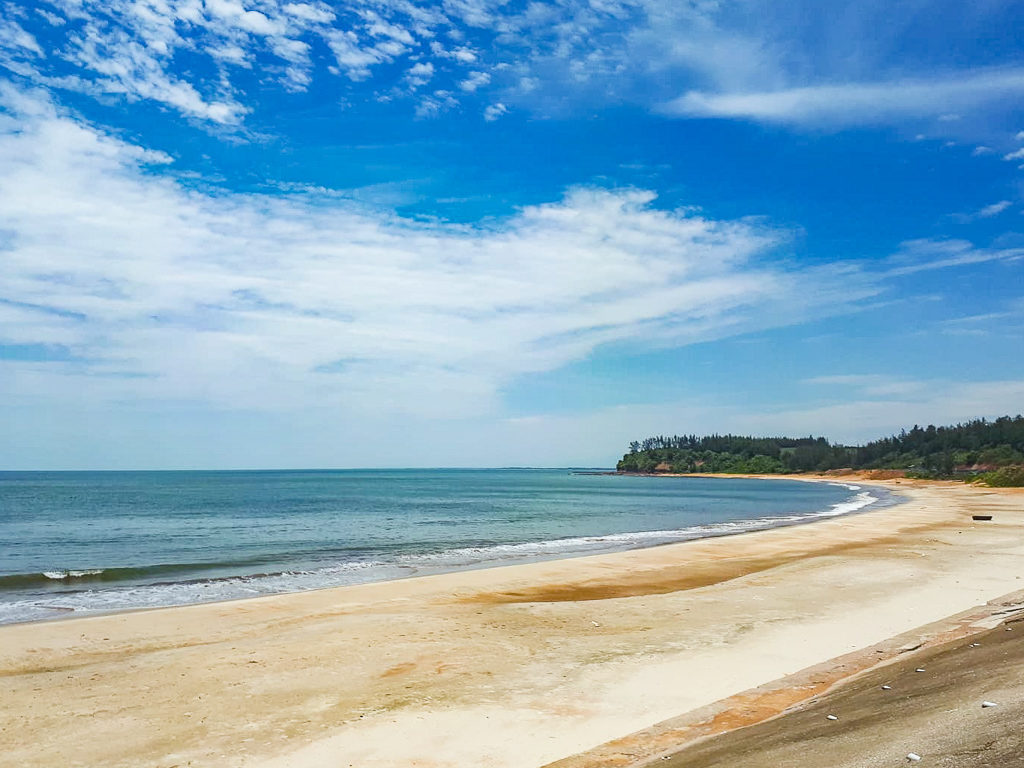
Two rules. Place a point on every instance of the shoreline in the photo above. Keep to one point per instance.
(510, 667)
(399, 571)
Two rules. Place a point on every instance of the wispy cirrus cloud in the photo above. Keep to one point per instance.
(989, 211)
(994, 209)
(928, 254)
(857, 103)
(872, 384)
(15, 40)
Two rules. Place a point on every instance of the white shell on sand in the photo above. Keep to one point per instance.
(831, 717)
(914, 757)
(886, 687)
(919, 669)
(988, 704)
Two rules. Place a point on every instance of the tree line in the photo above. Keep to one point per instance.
(969, 448)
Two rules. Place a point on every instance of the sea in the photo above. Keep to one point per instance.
(80, 543)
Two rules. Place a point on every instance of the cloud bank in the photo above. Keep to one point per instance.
(123, 285)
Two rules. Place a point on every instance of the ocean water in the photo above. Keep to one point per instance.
(84, 542)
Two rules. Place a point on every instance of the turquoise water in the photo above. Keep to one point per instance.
(84, 542)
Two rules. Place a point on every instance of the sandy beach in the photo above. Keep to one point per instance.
(614, 659)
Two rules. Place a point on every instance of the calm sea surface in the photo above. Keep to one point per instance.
(101, 541)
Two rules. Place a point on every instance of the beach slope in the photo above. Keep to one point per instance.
(963, 709)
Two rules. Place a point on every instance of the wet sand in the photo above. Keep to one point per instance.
(511, 667)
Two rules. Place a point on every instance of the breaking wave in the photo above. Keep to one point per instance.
(59, 592)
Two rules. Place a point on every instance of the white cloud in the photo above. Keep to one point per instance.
(351, 56)
(872, 385)
(857, 103)
(14, 37)
(438, 102)
(926, 254)
(159, 293)
(982, 150)
(995, 209)
(528, 84)
(419, 74)
(51, 18)
(126, 48)
(135, 73)
(1006, 323)
(986, 212)
(475, 13)
(494, 111)
(474, 81)
(378, 27)
(462, 54)
(1019, 136)
(236, 14)
(1017, 155)
(751, 59)
(133, 47)
(318, 13)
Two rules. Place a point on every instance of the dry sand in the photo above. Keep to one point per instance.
(512, 667)
(936, 713)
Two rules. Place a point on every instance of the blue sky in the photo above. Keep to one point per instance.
(485, 233)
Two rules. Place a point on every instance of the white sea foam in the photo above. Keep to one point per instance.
(200, 591)
(356, 572)
(69, 574)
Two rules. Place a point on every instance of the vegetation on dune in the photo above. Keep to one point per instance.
(990, 451)
(732, 454)
(1005, 477)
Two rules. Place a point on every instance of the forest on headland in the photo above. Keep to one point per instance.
(992, 451)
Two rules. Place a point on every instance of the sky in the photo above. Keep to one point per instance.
(397, 233)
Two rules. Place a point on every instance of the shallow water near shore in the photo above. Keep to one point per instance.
(83, 542)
